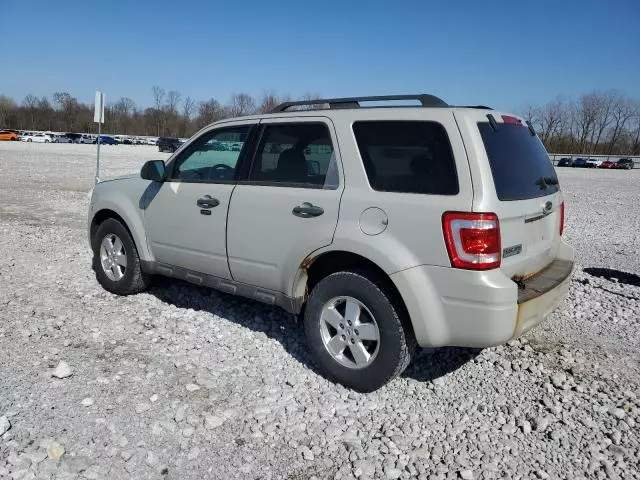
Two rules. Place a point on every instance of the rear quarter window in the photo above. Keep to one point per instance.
(519, 163)
(407, 156)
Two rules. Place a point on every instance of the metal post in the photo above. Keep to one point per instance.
(98, 157)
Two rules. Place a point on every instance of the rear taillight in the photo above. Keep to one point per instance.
(472, 239)
(561, 218)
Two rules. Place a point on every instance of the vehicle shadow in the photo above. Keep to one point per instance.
(432, 363)
(611, 274)
(275, 323)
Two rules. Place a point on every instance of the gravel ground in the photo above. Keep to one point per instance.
(182, 382)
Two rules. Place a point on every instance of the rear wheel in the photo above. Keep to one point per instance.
(116, 261)
(356, 331)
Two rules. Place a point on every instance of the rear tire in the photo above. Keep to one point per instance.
(118, 278)
(363, 364)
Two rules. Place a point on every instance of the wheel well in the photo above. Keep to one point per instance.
(103, 215)
(338, 261)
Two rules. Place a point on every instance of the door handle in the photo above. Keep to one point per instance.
(207, 202)
(307, 210)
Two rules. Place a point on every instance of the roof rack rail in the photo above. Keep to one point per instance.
(479, 107)
(354, 102)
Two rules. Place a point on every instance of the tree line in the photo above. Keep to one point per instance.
(595, 123)
(169, 115)
(606, 123)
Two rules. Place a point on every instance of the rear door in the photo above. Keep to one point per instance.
(289, 205)
(514, 177)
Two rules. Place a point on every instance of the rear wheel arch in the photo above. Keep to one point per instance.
(340, 260)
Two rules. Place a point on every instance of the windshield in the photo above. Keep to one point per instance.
(519, 163)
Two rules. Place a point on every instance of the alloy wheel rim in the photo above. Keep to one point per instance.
(113, 257)
(349, 332)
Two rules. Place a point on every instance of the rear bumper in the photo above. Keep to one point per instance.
(452, 307)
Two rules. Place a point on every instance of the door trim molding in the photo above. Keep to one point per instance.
(262, 295)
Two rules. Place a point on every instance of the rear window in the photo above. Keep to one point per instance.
(407, 156)
(519, 163)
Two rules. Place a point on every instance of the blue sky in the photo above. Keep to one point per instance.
(506, 54)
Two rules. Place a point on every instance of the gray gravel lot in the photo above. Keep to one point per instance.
(182, 382)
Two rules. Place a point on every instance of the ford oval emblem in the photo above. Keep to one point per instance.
(547, 207)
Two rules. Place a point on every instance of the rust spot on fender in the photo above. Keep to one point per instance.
(306, 263)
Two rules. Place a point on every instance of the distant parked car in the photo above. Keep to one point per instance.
(107, 140)
(624, 164)
(70, 138)
(85, 138)
(39, 138)
(11, 135)
(168, 144)
(565, 162)
(593, 163)
(579, 163)
(152, 141)
(607, 164)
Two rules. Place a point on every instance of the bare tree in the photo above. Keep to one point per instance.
(158, 100)
(550, 118)
(187, 110)
(173, 100)
(634, 131)
(268, 102)
(121, 113)
(585, 116)
(622, 113)
(605, 105)
(8, 108)
(209, 112)
(242, 104)
(30, 103)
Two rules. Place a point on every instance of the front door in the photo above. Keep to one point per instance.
(186, 216)
(289, 205)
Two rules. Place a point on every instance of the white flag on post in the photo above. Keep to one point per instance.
(98, 115)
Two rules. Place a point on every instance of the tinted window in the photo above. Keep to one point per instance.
(210, 157)
(407, 157)
(519, 163)
(299, 154)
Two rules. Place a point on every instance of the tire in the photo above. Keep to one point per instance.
(28, 139)
(133, 279)
(396, 342)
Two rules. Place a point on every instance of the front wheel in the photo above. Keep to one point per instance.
(356, 331)
(116, 261)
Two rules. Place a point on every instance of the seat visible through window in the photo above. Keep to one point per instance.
(300, 154)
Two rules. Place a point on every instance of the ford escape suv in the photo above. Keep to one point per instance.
(383, 226)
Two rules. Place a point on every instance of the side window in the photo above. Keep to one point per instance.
(407, 156)
(212, 157)
(300, 154)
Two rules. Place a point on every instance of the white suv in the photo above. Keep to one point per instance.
(383, 227)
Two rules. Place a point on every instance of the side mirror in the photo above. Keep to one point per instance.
(153, 170)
